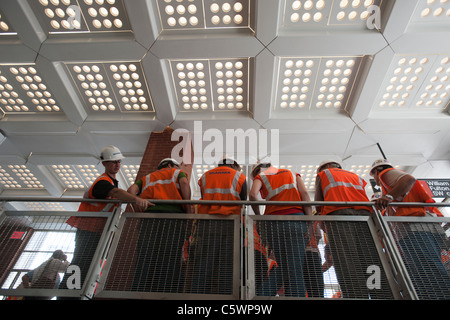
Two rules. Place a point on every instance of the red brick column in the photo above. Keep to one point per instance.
(159, 147)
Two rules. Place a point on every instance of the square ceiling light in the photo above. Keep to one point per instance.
(328, 12)
(74, 177)
(112, 87)
(23, 90)
(432, 11)
(82, 15)
(81, 177)
(199, 14)
(211, 85)
(418, 83)
(13, 177)
(317, 84)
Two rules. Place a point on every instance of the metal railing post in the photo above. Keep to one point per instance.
(406, 288)
(100, 256)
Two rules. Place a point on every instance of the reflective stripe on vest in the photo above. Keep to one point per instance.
(333, 183)
(107, 208)
(167, 181)
(233, 190)
(273, 192)
(97, 206)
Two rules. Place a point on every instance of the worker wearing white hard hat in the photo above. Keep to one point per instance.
(282, 185)
(421, 247)
(379, 163)
(167, 182)
(111, 153)
(329, 163)
(225, 182)
(333, 184)
(158, 270)
(263, 163)
(168, 161)
(105, 187)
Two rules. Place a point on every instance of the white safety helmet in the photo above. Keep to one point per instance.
(325, 162)
(166, 161)
(379, 162)
(228, 160)
(263, 163)
(111, 153)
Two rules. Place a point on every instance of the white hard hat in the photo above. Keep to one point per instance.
(379, 162)
(111, 153)
(264, 162)
(168, 160)
(325, 162)
(228, 160)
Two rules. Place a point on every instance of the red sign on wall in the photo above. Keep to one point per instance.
(18, 235)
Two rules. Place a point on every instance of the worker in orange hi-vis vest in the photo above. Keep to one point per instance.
(275, 184)
(212, 252)
(420, 243)
(348, 241)
(160, 242)
(225, 182)
(89, 229)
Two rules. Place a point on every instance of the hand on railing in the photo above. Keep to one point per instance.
(383, 202)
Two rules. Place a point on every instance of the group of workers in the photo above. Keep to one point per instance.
(227, 182)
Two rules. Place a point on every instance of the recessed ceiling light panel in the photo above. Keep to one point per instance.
(211, 85)
(198, 14)
(416, 82)
(179, 14)
(22, 90)
(435, 91)
(328, 13)
(315, 83)
(105, 15)
(18, 177)
(432, 11)
(230, 83)
(112, 87)
(75, 177)
(227, 14)
(83, 15)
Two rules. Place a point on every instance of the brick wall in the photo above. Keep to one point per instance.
(160, 147)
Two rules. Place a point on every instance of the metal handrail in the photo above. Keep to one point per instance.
(229, 202)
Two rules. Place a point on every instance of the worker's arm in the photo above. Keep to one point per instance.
(185, 193)
(123, 195)
(304, 194)
(398, 191)
(253, 195)
(318, 196)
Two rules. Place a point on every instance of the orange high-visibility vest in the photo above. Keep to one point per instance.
(279, 185)
(341, 185)
(162, 184)
(221, 183)
(93, 224)
(416, 194)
